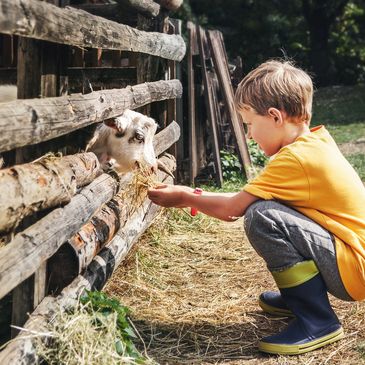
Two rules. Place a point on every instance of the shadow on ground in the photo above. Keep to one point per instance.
(207, 343)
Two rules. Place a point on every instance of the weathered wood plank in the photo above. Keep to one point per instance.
(145, 7)
(125, 11)
(24, 122)
(193, 166)
(166, 138)
(45, 183)
(24, 254)
(22, 351)
(221, 66)
(202, 42)
(79, 28)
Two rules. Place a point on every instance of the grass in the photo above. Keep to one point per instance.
(358, 162)
(337, 105)
(342, 111)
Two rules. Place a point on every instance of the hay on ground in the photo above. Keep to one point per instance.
(192, 285)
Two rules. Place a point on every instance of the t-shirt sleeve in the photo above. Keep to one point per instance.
(283, 179)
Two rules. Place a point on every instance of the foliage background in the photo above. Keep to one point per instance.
(325, 37)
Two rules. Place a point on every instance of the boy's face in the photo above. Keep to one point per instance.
(265, 130)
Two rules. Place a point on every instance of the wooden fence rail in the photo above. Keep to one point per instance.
(45, 183)
(31, 121)
(22, 349)
(29, 249)
(40, 20)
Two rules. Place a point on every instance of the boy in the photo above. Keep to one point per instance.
(304, 214)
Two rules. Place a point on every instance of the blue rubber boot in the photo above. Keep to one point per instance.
(272, 303)
(316, 324)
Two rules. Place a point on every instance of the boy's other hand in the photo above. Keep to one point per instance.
(169, 196)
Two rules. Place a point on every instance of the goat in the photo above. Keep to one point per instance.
(123, 142)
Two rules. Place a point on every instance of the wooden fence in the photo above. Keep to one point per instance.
(65, 225)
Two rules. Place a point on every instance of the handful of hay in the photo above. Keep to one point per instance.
(97, 331)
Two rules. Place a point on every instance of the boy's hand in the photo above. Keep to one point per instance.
(169, 195)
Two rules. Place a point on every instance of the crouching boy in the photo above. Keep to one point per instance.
(304, 214)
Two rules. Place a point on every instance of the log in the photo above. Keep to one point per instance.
(170, 4)
(45, 183)
(145, 7)
(22, 350)
(24, 122)
(75, 27)
(77, 253)
(28, 249)
(166, 138)
(125, 11)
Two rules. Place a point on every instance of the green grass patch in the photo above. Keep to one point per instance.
(343, 133)
(339, 105)
(358, 162)
(342, 110)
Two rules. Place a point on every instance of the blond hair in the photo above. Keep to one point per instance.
(277, 84)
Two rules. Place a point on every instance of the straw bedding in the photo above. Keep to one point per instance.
(192, 286)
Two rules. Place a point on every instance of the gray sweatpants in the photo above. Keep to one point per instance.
(283, 237)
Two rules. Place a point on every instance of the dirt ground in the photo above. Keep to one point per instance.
(192, 286)
(353, 147)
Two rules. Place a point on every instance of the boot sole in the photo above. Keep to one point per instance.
(278, 349)
(275, 311)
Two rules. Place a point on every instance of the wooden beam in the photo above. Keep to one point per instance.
(221, 66)
(202, 42)
(145, 7)
(45, 183)
(24, 122)
(125, 11)
(29, 249)
(193, 172)
(22, 350)
(79, 28)
(78, 252)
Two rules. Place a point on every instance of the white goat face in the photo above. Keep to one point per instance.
(130, 141)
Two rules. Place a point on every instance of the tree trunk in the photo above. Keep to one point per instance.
(320, 16)
(45, 183)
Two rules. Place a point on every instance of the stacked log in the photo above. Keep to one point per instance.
(48, 182)
(22, 350)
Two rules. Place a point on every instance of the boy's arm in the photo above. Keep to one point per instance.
(224, 206)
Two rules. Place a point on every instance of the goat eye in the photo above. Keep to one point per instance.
(139, 137)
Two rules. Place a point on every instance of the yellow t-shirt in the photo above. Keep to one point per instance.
(312, 176)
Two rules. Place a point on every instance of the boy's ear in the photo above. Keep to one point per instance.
(276, 114)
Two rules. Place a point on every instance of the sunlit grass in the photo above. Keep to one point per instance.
(358, 162)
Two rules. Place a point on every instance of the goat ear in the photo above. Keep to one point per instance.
(120, 124)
